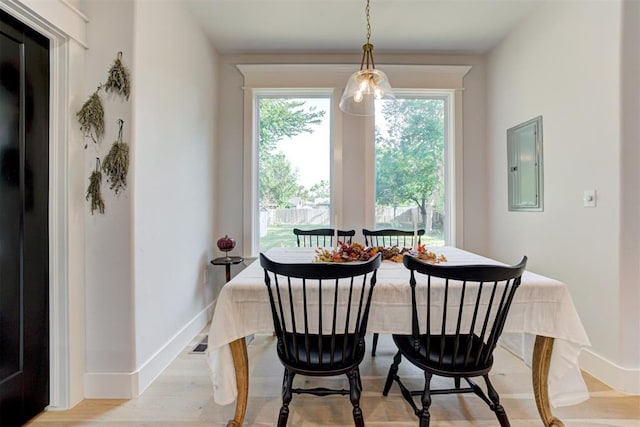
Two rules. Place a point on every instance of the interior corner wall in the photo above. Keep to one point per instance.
(630, 174)
(564, 63)
(174, 176)
(474, 176)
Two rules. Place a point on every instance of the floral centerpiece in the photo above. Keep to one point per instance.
(358, 252)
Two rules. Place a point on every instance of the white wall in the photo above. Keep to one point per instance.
(175, 124)
(564, 63)
(147, 289)
(229, 194)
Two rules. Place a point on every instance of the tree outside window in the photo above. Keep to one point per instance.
(410, 145)
(288, 128)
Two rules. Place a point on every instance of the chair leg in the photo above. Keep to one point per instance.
(374, 345)
(393, 373)
(287, 394)
(456, 381)
(426, 401)
(354, 396)
(496, 407)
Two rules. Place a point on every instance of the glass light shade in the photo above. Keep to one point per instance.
(363, 88)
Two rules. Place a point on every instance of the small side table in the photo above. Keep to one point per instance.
(227, 262)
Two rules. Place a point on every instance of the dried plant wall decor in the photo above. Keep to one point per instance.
(118, 80)
(116, 163)
(91, 117)
(93, 192)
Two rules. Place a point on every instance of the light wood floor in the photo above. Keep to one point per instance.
(182, 396)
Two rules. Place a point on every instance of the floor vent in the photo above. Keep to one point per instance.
(201, 348)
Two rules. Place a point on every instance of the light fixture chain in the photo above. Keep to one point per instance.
(368, 8)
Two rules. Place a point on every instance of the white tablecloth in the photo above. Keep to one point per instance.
(542, 306)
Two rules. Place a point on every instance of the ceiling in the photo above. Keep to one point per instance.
(339, 26)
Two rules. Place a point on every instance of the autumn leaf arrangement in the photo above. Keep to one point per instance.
(350, 252)
(91, 118)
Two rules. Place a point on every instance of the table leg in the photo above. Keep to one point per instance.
(227, 271)
(540, 371)
(241, 365)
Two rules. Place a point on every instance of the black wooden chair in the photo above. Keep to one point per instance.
(315, 342)
(455, 336)
(389, 237)
(321, 237)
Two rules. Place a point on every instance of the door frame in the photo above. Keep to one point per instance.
(64, 390)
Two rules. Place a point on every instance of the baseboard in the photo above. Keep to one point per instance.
(110, 385)
(126, 385)
(157, 363)
(624, 380)
(621, 379)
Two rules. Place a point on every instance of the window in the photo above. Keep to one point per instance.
(410, 145)
(294, 166)
(353, 154)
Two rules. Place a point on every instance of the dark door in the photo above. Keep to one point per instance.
(24, 236)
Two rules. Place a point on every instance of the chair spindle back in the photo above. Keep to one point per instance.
(321, 237)
(467, 307)
(320, 311)
(391, 237)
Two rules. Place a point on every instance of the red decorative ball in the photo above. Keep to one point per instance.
(226, 243)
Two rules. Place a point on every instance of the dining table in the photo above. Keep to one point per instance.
(542, 307)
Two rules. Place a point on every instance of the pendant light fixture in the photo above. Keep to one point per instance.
(366, 85)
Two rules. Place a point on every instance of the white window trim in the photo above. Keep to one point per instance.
(330, 78)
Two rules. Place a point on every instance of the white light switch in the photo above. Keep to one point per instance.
(589, 198)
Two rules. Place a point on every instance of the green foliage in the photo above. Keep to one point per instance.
(93, 192)
(278, 181)
(118, 79)
(281, 118)
(320, 190)
(116, 163)
(116, 166)
(409, 165)
(278, 236)
(91, 118)
(284, 118)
